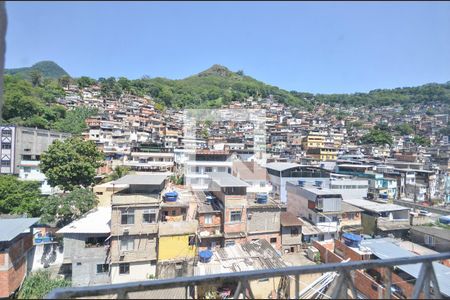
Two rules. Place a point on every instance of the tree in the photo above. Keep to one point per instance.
(118, 172)
(404, 129)
(421, 140)
(39, 284)
(71, 163)
(36, 77)
(74, 122)
(85, 81)
(377, 137)
(64, 81)
(65, 208)
(19, 197)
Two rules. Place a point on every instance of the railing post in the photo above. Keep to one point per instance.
(388, 282)
(426, 275)
(297, 287)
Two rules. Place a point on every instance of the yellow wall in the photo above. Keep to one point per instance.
(175, 247)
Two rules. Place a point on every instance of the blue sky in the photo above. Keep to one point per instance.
(321, 47)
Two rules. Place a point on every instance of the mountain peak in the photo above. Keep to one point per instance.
(48, 68)
(217, 70)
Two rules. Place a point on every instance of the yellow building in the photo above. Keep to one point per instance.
(177, 240)
(322, 154)
(313, 141)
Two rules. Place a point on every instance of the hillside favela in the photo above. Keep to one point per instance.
(202, 180)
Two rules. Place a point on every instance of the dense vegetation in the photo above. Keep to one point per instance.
(20, 197)
(39, 284)
(35, 106)
(48, 69)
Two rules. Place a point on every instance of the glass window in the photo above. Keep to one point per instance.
(6, 145)
(294, 231)
(273, 240)
(6, 132)
(321, 219)
(149, 216)
(124, 268)
(6, 163)
(208, 169)
(229, 243)
(102, 268)
(98, 241)
(208, 219)
(127, 244)
(127, 217)
(235, 216)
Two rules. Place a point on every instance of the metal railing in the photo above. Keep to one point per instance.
(426, 282)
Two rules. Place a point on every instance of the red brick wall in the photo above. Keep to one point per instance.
(238, 226)
(11, 279)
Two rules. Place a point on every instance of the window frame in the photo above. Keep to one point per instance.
(233, 214)
(126, 267)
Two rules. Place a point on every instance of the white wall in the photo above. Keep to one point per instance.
(138, 272)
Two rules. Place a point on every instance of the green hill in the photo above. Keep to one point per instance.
(210, 88)
(49, 69)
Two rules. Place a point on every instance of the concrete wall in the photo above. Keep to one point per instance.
(138, 271)
(288, 239)
(263, 219)
(440, 244)
(84, 260)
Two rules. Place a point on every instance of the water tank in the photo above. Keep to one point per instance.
(171, 196)
(205, 256)
(351, 240)
(444, 219)
(209, 198)
(318, 183)
(261, 198)
(301, 183)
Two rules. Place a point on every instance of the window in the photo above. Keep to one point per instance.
(350, 216)
(102, 268)
(262, 184)
(208, 219)
(321, 219)
(149, 216)
(334, 219)
(235, 216)
(124, 268)
(99, 193)
(6, 163)
(273, 240)
(128, 217)
(78, 263)
(191, 240)
(174, 212)
(310, 217)
(127, 244)
(294, 231)
(208, 169)
(6, 146)
(27, 169)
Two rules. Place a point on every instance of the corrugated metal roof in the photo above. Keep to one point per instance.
(10, 228)
(386, 248)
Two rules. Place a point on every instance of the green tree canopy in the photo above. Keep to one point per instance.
(19, 197)
(377, 137)
(65, 208)
(71, 163)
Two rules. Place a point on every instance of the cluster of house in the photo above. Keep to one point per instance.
(312, 186)
(146, 227)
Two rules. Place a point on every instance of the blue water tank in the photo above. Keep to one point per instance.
(205, 256)
(301, 183)
(351, 240)
(318, 183)
(444, 219)
(171, 196)
(384, 196)
(261, 198)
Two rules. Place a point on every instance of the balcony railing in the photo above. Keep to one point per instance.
(426, 283)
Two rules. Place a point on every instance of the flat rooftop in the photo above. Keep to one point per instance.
(374, 206)
(135, 199)
(150, 179)
(281, 166)
(97, 220)
(10, 228)
(227, 180)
